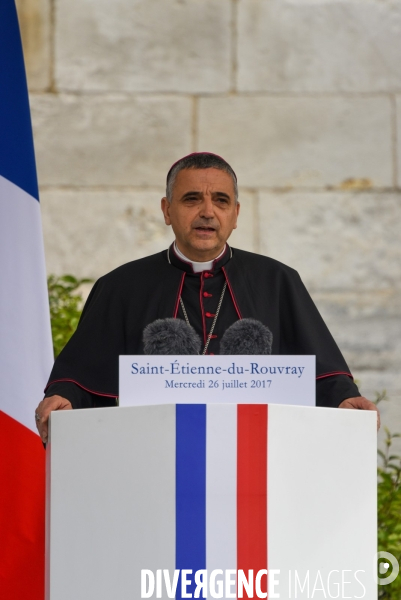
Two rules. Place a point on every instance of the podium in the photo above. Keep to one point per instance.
(208, 498)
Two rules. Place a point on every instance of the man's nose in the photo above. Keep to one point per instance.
(207, 208)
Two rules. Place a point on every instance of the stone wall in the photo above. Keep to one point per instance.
(302, 97)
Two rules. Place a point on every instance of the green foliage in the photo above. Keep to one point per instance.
(65, 308)
(389, 506)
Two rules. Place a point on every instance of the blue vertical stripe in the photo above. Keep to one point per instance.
(190, 489)
(17, 157)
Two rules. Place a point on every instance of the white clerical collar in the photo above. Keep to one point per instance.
(198, 266)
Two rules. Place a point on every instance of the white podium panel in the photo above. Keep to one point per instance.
(137, 494)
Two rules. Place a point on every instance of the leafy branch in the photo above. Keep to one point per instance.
(66, 305)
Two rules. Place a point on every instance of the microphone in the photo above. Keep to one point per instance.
(247, 336)
(170, 336)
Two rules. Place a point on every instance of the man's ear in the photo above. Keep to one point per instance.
(237, 207)
(165, 206)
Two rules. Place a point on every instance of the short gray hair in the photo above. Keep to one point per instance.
(199, 160)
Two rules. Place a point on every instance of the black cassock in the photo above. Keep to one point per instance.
(124, 301)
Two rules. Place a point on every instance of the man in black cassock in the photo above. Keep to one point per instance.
(189, 280)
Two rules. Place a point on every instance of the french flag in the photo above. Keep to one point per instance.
(25, 336)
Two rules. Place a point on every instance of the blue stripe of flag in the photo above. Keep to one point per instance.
(190, 489)
(17, 157)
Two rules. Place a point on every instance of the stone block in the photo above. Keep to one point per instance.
(366, 327)
(143, 45)
(301, 142)
(377, 381)
(336, 240)
(90, 232)
(109, 140)
(35, 24)
(344, 246)
(319, 46)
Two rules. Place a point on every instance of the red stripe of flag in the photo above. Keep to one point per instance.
(252, 490)
(22, 515)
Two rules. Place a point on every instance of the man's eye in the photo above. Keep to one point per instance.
(222, 200)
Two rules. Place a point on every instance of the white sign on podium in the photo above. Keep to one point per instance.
(188, 379)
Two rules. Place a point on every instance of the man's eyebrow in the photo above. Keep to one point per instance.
(221, 194)
(198, 193)
(187, 194)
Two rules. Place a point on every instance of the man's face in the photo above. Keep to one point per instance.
(202, 212)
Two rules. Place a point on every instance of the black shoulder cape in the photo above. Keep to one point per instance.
(124, 301)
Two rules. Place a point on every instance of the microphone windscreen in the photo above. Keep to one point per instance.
(170, 336)
(247, 336)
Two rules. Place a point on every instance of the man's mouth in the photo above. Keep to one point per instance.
(205, 229)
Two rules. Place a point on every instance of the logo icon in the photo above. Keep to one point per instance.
(385, 563)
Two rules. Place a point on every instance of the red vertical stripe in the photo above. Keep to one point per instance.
(252, 490)
(22, 512)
